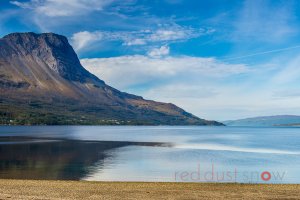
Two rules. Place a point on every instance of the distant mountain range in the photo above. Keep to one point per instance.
(279, 120)
(43, 82)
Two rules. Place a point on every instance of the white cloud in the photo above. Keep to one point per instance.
(133, 42)
(182, 90)
(164, 33)
(127, 71)
(205, 87)
(84, 38)
(223, 102)
(59, 8)
(159, 52)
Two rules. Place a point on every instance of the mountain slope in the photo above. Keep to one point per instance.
(43, 82)
(279, 120)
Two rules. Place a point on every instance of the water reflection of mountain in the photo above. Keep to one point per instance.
(36, 158)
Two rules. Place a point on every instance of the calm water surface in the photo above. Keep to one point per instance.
(140, 153)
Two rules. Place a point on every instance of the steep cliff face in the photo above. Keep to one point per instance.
(44, 64)
(41, 76)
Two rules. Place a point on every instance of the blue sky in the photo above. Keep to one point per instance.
(220, 59)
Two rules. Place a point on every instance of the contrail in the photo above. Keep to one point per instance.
(261, 53)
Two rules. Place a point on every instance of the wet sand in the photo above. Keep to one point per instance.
(33, 189)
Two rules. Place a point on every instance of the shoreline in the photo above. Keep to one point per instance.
(59, 189)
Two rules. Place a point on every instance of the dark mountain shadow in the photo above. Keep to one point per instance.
(55, 159)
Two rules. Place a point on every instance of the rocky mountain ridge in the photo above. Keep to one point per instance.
(43, 82)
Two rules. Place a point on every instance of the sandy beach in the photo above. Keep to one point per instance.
(33, 189)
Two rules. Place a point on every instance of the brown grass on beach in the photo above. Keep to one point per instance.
(32, 189)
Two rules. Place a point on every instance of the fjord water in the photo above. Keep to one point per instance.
(145, 153)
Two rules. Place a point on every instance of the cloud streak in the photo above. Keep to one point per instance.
(63, 8)
(262, 53)
(168, 33)
(128, 71)
(85, 38)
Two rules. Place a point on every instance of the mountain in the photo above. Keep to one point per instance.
(43, 82)
(279, 120)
